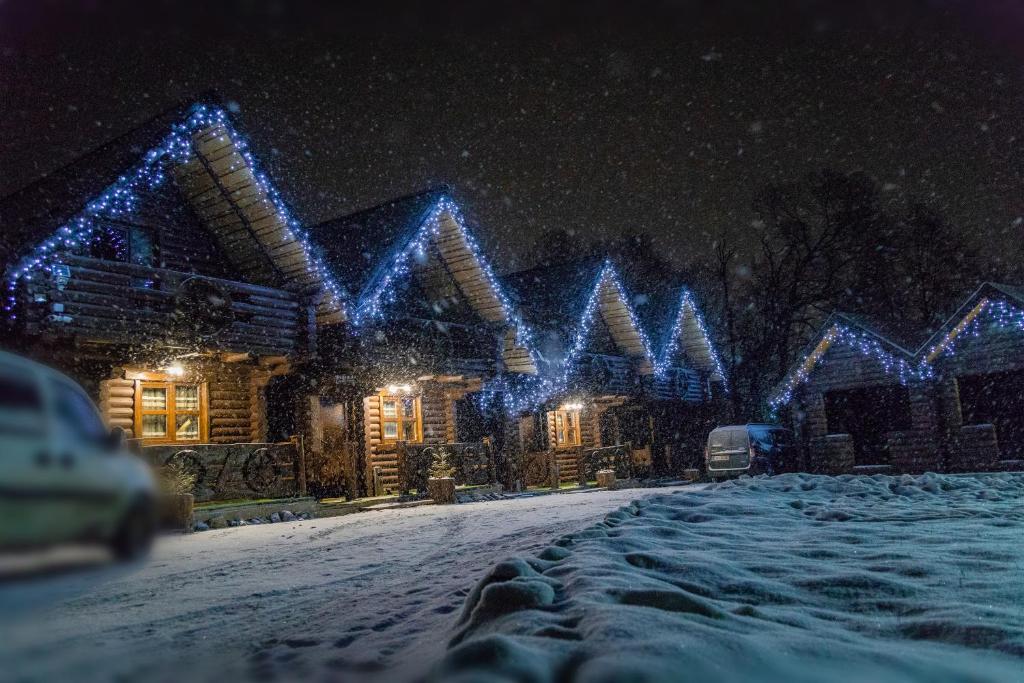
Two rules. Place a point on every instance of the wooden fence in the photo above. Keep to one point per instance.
(240, 470)
(474, 464)
(577, 464)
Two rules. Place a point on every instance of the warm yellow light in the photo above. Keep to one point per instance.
(399, 388)
(175, 370)
(572, 406)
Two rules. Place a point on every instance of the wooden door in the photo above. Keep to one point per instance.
(340, 467)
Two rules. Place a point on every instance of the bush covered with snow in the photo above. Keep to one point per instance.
(792, 578)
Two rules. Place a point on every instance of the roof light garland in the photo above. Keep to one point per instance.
(862, 342)
(122, 197)
(384, 291)
(987, 312)
(686, 303)
(536, 389)
(1000, 313)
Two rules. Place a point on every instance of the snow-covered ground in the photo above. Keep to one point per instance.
(796, 578)
(367, 596)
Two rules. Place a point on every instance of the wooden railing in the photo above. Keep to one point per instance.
(474, 464)
(240, 470)
(604, 373)
(679, 383)
(118, 301)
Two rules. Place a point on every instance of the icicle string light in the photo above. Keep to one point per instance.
(688, 305)
(123, 196)
(918, 368)
(998, 313)
(535, 390)
(383, 292)
(866, 344)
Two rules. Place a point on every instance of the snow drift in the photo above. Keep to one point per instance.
(792, 578)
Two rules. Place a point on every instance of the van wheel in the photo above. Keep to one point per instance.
(135, 533)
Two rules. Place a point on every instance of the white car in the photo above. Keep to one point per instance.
(63, 476)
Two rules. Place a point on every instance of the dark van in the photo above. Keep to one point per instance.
(749, 449)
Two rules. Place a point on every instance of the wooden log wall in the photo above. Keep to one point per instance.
(993, 350)
(234, 410)
(179, 240)
(117, 404)
(597, 373)
(679, 383)
(114, 301)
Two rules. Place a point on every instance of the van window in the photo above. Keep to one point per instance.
(75, 414)
(21, 406)
(729, 439)
(18, 393)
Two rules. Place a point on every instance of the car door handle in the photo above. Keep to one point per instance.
(43, 459)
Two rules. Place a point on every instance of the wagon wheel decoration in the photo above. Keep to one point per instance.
(260, 471)
(536, 470)
(189, 462)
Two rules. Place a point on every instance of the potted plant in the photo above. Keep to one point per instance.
(441, 482)
(177, 501)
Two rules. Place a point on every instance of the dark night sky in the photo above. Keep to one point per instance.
(599, 117)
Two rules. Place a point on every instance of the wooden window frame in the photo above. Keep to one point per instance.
(170, 383)
(576, 436)
(417, 418)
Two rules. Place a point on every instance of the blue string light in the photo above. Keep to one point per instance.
(999, 313)
(918, 368)
(535, 390)
(384, 291)
(688, 305)
(123, 196)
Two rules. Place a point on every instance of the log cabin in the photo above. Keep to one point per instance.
(863, 402)
(430, 325)
(173, 291)
(605, 391)
(165, 273)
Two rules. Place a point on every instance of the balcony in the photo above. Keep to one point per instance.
(102, 300)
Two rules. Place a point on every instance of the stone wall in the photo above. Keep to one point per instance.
(974, 447)
(832, 454)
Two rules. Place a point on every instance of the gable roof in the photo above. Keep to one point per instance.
(1005, 302)
(31, 214)
(840, 328)
(563, 299)
(360, 247)
(688, 332)
(218, 177)
(989, 296)
(373, 249)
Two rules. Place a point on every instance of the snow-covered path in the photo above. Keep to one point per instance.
(370, 595)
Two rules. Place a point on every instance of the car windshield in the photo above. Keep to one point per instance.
(728, 439)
